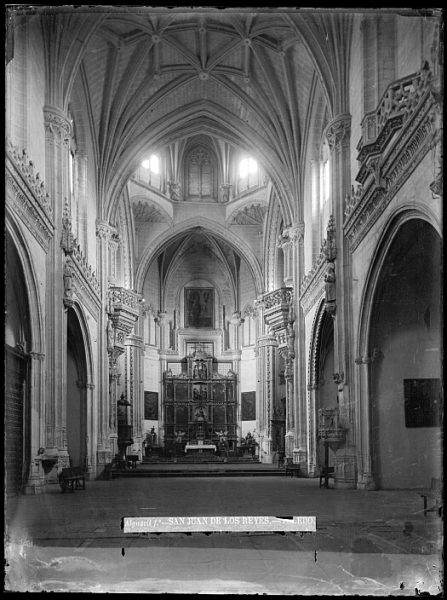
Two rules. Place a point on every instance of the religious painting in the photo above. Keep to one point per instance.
(181, 391)
(151, 406)
(248, 406)
(199, 307)
(422, 399)
(219, 392)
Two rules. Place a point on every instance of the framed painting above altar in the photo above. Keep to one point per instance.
(199, 307)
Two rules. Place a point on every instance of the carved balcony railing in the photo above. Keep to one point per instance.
(400, 100)
(395, 138)
(329, 429)
(277, 308)
(124, 309)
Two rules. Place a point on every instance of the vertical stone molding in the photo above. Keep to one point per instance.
(134, 388)
(365, 479)
(338, 132)
(338, 279)
(57, 138)
(109, 371)
(267, 348)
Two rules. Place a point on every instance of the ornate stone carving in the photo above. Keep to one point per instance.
(26, 196)
(352, 199)
(338, 132)
(253, 214)
(329, 247)
(405, 125)
(25, 167)
(174, 190)
(330, 289)
(104, 230)
(57, 125)
(226, 190)
(290, 235)
(68, 284)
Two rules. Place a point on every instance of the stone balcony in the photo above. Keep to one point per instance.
(396, 136)
(277, 308)
(124, 310)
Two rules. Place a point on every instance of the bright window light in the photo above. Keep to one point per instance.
(152, 163)
(247, 166)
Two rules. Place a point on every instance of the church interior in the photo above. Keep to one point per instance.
(223, 242)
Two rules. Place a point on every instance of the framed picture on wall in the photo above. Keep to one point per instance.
(248, 406)
(151, 406)
(199, 307)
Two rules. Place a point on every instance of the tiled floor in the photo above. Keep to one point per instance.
(366, 542)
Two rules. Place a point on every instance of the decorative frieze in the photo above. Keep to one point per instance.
(25, 167)
(26, 196)
(78, 273)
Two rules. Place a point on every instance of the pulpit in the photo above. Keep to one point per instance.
(333, 436)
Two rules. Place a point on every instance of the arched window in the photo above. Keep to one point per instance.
(248, 175)
(150, 171)
(201, 175)
(321, 197)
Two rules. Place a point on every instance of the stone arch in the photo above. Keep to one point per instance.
(322, 321)
(367, 360)
(274, 219)
(153, 249)
(35, 307)
(211, 119)
(80, 376)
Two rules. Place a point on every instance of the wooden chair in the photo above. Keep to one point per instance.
(291, 468)
(326, 473)
(72, 478)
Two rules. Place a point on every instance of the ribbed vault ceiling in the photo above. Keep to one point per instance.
(147, 77)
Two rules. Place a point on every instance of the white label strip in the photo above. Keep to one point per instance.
(204, 524)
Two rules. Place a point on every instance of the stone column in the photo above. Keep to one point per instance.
(57, 139)
(312, 432)
(107, 377)
(81, 161)
(135, 388)
(91, 428)
(36, 479)
(365, 478)
(338, 134)
(267, 345)
(290, 421)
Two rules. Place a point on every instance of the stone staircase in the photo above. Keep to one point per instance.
(199, 466)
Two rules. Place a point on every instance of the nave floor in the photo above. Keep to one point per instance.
(366, 543)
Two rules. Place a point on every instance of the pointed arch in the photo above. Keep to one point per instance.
(155, 247)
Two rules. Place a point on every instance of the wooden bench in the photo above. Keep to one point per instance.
(291, 468)
(326, 473)
(132, 460)
(435, 496)
(72, 478)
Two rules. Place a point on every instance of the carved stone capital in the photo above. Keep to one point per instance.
(290, 235)
(37, 356)
(105, 231)
(57, 124)
(338, 132)
(338, 378)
